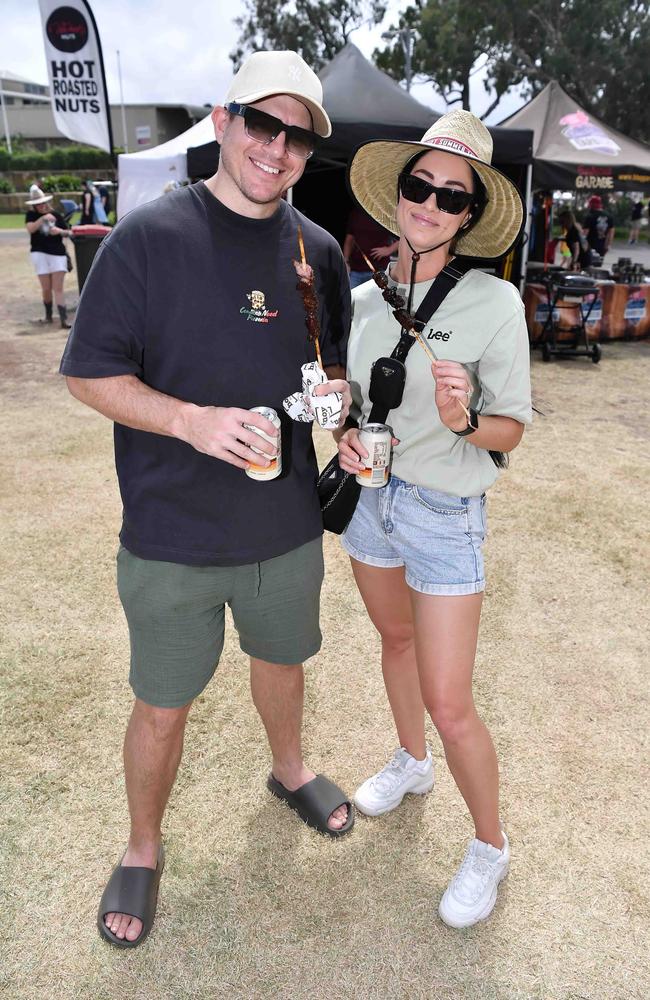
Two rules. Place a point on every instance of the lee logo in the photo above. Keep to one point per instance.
(439, 335)
(258, 313)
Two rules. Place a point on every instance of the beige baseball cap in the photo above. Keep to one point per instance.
(267, 73)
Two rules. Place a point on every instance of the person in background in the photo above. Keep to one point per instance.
(92, 209)
(416, 545)
(47, 229)
(576, 242)
(598, 226)
(635, 222)
(105, 198)
(375, 241)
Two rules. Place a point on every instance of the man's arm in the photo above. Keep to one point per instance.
(213, 430)
(348, 247)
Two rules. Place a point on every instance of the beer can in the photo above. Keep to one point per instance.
(376, 439)
(272, 471)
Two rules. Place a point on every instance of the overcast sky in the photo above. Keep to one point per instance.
(174, 52)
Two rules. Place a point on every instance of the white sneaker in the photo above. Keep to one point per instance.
(472, 892)
(386, 789)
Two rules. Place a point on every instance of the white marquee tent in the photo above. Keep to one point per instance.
(143, 176)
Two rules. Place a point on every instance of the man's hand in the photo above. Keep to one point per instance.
(380, 253)
(337, 385)
(219, 431)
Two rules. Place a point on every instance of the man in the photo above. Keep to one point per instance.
(635, 222)
(189, 318)
(599, 226)
(364, 234)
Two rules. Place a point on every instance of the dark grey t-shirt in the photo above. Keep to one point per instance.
(202, 304)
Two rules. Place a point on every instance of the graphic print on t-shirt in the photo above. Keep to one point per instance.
(258, 313)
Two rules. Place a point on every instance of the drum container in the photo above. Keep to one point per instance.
(272, 471)
(376, 439)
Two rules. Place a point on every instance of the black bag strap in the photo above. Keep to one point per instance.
(447, 279)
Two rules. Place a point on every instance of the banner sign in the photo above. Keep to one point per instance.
(76, 72)
(585, 178)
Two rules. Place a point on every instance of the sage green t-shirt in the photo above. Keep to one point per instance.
(480, 324)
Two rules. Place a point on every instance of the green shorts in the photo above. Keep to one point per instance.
(176, 617)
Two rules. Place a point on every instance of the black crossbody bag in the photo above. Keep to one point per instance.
(339, 491)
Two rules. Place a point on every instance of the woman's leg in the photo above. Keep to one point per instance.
(446, 633)
(59, 298)
(45, 281)
(386, 597)
(57, 287)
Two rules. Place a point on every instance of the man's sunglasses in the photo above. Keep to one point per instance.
(449, 200)
(265, 128)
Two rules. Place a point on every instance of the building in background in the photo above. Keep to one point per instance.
(29, 115)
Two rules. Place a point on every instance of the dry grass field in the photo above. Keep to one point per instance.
(253, 904)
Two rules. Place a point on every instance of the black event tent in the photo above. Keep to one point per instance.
(574, 150)
(364, 103)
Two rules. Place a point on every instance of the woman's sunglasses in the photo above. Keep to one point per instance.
(449, 200)
(265, 128)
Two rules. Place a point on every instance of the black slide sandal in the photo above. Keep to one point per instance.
(133, 891)
(315, 802)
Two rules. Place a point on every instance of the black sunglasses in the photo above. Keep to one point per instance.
(449, 200)
(265, 128)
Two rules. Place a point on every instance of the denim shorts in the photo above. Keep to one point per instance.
(438, 538)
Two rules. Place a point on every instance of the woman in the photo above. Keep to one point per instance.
(92, 206)
(416, 544)
(578, 253)
(48, 254)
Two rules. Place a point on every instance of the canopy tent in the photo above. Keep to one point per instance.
(574, 150)
(143, 176)
(362, 102)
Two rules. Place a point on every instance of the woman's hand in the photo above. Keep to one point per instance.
(352, 453)
(453, 387)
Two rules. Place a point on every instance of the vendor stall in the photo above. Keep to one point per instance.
(572, 150)
(621, 310)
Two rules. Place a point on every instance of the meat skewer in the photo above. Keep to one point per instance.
(306, 288)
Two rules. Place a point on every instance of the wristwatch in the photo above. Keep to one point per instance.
(472, 424)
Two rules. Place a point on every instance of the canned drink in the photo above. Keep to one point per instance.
(376, 439)
(272, 471)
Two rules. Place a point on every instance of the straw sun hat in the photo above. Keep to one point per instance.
(376, 165)
(36, 196)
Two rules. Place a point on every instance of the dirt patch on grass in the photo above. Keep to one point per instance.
(254, 905)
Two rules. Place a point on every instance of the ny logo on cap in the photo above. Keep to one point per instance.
(295, 73)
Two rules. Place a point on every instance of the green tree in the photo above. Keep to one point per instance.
(597, 51)
(314, 28)
(451, 41)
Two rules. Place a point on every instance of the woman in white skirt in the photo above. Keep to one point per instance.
(47, 229)
(416, 544)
